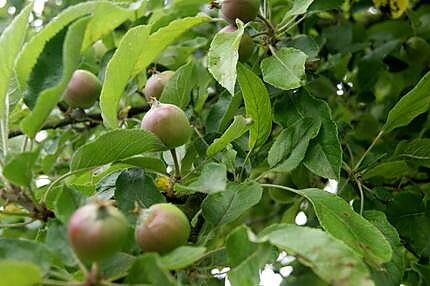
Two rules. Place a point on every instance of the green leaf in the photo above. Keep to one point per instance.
(324, 155)
(67, 202)
(223, 56)
(411, 105)
(178, 88)
(239, 126)
(134, 188)
(233, 106)
(117, 266)
(149, 269)
(389, 170)
(238, 246)
(19, 169)
(247, 273)
(257, 105)
(245, 257)
(338, 218)
(289, 148)
(212, 179)
(113, 146)
(57, 241)
(11, 41)
(119, 70)
(285, 69)
(392, 272)
(48, 70)
(224, 207)
(322, 5)
(107, 16)
(164, 37)
(411, 216)
(26, 251)
(328, 257)
(31, 51)
(148, 163)
(48, 98)
(182, 257)
(11, 273)
(299, 7)
(416, 151)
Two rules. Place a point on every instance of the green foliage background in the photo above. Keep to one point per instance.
(329, 119)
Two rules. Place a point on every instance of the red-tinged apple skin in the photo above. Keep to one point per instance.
(96, 232)
(245, 10)
(169, 123)
(83, 90)
(162, 228)
(155, 84)
(246, 46)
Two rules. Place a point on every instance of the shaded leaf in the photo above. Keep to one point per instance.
(392, 272)
(48, 98)
(224, 207)
(178, 89)
(23, 250)
(324, 155)
(134, 188)
(289, 148)
(389, 170)
(149, 269)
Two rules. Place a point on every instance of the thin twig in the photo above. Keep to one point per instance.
(267, 23)
(368, 150)
(92, 119)
(20, 224)
(178, 174)
(361, 197)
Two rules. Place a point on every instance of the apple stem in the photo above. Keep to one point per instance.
(175, 160)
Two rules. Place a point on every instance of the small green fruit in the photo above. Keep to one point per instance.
(97, 231)
(246, 46)
(417, 49)
(245, 10)
(162, 228)
(155, 84)
(99, 49)
(83, 90)
(169, 123)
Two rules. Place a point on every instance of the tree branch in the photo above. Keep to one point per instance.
(94, 119)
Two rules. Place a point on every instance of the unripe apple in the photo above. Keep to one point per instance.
(162, 228)
(97, 231)
(245, 10)
(169, 123)
(83, 90)
(155, 84)
(246, 46)
(417, 49)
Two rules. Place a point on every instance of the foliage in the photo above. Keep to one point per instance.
(328, 119)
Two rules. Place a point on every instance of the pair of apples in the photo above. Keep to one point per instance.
(167, 121)
(98, 230)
